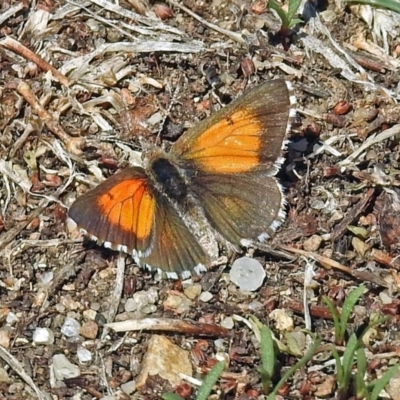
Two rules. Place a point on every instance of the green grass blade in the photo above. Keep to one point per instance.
(361, 387)
(380, 383)
(339, 336)
(294, 368)
(339, 366)
(267, 350)
(273, 5)
(348, 360)
(348, 306)
(393, 5)
(292, 11)
(210, 380)
(171, 396)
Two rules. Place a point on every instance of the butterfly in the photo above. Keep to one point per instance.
(216, 184)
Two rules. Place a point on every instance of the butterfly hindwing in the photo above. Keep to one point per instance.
(241, 206)
(174, 249)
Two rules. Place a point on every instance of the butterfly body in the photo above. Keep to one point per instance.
(216, 182)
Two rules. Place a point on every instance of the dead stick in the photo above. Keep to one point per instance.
(169, 325)
(15, 46)
(328, 263)
(72, 144)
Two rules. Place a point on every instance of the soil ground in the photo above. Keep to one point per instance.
(85, 86)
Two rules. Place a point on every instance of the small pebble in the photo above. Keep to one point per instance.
(4, 375)
(11, 318)
(89, 314)
(220, 344)
(89, 330)
(84, 355)
(247, 273)
(130, 305)
(193, 291)
(128, 387)
(47, 277)
(313, 243)
(178, 302)
(5, 337)
(283, 322)
(205, 297)
(70, 327)
(141, 299)
(385, 298)
(255, 306)
(149, 309)
(63, 369)
(43, 336)
(155, 119)
(227, 323)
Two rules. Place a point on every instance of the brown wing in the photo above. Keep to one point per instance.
(119, 212)
(245, 206)
(241, 136)
(125, 213)
(174, 248)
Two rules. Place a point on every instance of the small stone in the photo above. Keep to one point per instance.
(3, 313)
(47, 277)
(247, 273)
(43, 336)
(155, 119)
(385, 298)
(149, 309)
(89, 314)
(141, 299)
(130, 305)
(11, 318)
(84, 355)
(313, 243)
(193, 291)
(15, 388)
(255, 306)
(128, 387)
(205, 297)
(228, 323)
(165, 359)
(283, 322)
(89, 330)
(5, 337)
(326, 388)
(70, 327)
(177, 301)
(63, 369)
(4, 375)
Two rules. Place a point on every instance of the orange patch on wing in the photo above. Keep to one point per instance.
(130, 206)
(229, 146)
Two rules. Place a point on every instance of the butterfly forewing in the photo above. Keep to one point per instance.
(242, 136)
(120, 211)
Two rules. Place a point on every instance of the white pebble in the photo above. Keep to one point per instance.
(247, 273)
(227, 323)
(205, 297)
(70, 327)
(84, 355)
(128, 387)
(63, 369)
(43, 336)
